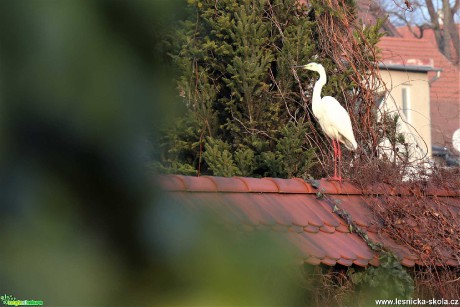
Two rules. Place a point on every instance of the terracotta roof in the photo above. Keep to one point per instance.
(369, 11)
(428, 34)
(444, 92)
(291, 206)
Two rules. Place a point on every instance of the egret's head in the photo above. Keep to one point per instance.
(313, 66)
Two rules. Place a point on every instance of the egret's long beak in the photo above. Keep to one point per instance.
(298, 66)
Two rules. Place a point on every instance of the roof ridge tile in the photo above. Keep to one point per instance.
(171, 182)
(260, 185)
(225, 184)
(293, 185)
(202, 183)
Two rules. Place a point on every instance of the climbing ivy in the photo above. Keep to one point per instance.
(388, 280)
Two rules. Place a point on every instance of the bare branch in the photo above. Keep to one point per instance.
(455, 7)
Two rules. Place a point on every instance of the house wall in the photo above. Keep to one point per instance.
(418, 123)
(444, 92)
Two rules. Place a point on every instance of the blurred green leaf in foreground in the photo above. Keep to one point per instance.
(83, 85)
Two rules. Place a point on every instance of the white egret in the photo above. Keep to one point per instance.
(332, 117)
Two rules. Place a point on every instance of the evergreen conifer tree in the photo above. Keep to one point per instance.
(245, 113)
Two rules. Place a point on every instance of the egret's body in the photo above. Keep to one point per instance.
(332, 117)
(335, 121)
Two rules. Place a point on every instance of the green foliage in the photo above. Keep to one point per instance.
(178, 146)
(373, 33)
(234, 61)
(244, 159)
(387, 281)
(219, 158)
(289, 157)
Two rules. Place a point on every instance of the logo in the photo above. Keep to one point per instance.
(10, 300)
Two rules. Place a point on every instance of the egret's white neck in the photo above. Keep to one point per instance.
(319, 86)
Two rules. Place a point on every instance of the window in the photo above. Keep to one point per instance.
(406, 103)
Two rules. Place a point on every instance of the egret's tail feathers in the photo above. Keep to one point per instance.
(350, 144)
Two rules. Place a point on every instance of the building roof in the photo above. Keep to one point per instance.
(369, 11)
(293, 207)
(428, 34)
(408, 68)
(444, 92)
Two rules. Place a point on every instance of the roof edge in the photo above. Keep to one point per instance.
(213, 184)
(409, 68)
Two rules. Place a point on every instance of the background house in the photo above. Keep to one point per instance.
(444, 93)
(424, 85)
(407, 72)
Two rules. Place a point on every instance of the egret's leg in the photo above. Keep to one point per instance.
(339, 164)
(334, 145)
